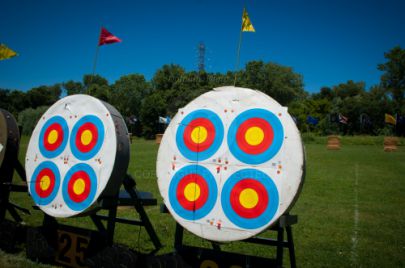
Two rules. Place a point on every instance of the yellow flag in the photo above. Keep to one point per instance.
(247, 25)
(390, 119)
(6, 53)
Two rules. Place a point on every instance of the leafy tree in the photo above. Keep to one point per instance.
(153, 106)
(72, 87)
(393, 78)
(44, 95)
(29, 117)
(167, 76)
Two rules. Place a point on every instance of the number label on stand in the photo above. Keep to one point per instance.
(71, 248)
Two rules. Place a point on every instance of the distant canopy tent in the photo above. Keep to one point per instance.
(6, 53)
(312, 120)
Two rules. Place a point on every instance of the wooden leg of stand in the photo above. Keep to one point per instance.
(291, 246)
(280, 239)
(112, 214)
(178, 237)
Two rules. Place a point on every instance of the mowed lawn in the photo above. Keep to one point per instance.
(351, 211)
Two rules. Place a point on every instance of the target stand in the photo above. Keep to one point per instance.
(76, 164)
(11, 232)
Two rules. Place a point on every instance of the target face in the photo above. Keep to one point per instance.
(255, 136)
(249, 198)
(193, 192)
(230, 164)
(53, 137)
(69, 162)
(199, 135)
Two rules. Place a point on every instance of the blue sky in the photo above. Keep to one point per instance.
(328, 42)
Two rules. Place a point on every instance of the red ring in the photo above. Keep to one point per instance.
(256, 211)
(94, 131)
(87, 186)
(44, 193)
(199, 147)
(261, 147)
(201, 200)
(58, 128)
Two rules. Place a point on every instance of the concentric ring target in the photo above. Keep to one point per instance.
(53, 137)
(45, 182)
(79, 187)
(199, 135)
(193, 192)
(255, 136)
(249, 198)
(87, 137)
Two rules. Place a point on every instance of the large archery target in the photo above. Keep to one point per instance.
(70, 160)
(230, 163)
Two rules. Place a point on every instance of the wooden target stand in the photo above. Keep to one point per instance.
(11, 232)
(80, 247)
(215, 257)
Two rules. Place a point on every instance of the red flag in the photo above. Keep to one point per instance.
(107, 38)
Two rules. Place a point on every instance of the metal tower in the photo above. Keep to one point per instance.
(201, 56)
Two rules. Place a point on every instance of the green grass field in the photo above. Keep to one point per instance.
(351, 211)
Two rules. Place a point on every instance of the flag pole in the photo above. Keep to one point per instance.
(238, 56)
(95, 62)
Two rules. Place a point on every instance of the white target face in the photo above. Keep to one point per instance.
(71, 155)
(230, 164)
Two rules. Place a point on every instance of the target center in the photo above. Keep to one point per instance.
(248, 198)
(53, 136)
(199, 134)
(79, 186)
(45, 182)
(192, 192)
(86, 137)
(254, 136)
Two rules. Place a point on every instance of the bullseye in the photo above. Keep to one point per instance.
(53, 137)
(45, 183)
(87, 137)
(193, 192)
(255, 136)
(249, 198)
(79, 187)
(199, 135)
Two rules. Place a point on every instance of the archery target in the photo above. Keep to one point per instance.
(230, 163)
(70, 163)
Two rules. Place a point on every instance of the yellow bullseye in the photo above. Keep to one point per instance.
(192, 192)
(53, 136)
(44, 183)
(199, 134)
(254, 136)
(79, 186)
(248, 198)
(86, 137)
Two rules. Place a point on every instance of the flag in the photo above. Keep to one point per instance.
(247, 25)
(107, 38)
(389, 119)
(343, 119)
(312, 120)
(6, 53)
(164, 120)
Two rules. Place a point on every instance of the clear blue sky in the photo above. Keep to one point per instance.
(327, 41)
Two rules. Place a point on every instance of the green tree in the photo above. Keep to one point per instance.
(44, 95)
(393, 78)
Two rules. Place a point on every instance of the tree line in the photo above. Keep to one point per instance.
(141, 102)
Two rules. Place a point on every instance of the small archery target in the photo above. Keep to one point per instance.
(87, 137)
(199, 135)
(70, 162)
(255, 136)
(53, 137)
(79, 187)
(249, 198)
(193, 192)
(249, 157)
(45, 183)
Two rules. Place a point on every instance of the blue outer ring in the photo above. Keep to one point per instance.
(274, 147)
(100, 127)
(93, 180)
(212, 195)
(271, 189)
(62, 122)
(219, 135)
(40, 201)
